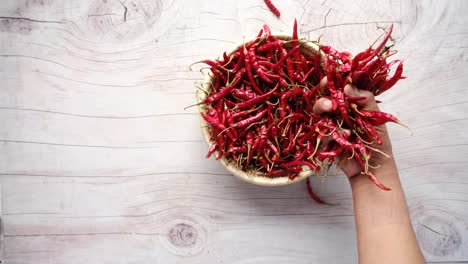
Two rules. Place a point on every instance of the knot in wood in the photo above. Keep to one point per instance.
(438, 236)
(183, 235)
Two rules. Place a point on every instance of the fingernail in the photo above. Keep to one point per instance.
(327, 104)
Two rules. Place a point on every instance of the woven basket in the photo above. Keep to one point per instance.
(307, 48)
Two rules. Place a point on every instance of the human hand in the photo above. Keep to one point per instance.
(350, 166)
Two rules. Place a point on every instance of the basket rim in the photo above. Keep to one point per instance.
(254, 177)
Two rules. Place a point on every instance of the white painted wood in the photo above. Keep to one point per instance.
(99, 162)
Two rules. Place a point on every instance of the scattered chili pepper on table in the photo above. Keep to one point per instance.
(273, 8)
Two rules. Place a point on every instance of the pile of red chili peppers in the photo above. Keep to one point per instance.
(261, 98)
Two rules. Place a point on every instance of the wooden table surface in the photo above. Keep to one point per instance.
(100, 163)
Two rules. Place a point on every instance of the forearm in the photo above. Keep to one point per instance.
(383, 226)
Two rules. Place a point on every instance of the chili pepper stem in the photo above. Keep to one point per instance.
(187, 107)
(203, 68)
(374, 167)
(316, 148)
(191, 65)
(203, 90)
(378, 151)
(352, 154)
(405, 126)
(257, 123)
(364, 141)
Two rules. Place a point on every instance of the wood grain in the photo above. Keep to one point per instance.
(99, 162)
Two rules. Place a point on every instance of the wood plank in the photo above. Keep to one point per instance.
(100, 163)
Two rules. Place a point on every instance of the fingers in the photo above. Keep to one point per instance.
(328, 138)
(323, 84)
(350, 167)
(323, 105)
(367, 104)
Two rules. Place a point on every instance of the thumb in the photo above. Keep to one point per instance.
(367, 104)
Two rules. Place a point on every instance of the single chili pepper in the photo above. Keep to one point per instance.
(273, 8)
(301, 155)
(274, 130)
(312, 194)
(243, 94)
(220, 140)
(240, 114)
(263, 135)
(360, 147)
(340, 140)
(379, 48)
(226, 57)
(376, 181)
(303, 79)
(300, 163)
(330, 154)
(251, 120)
(379, 116)
(223, 92)
(389, 82)
(337, 94)
(355, 98)
(290, 142)
(297, 77)
(317, 141)
(213, 121)
(266, 30)
(248, 67)
(263, 162)
(290, 69)
(238, 149)
(230, 122)
(212, 149)
(224, 116)
(273, 148)
(249, 139)
(260, 33)
(269, 46)
(360, 125)
(278, 173)
(372, 132)
(295, 35)
(212, 112)
(266, 64)
(258, 99)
